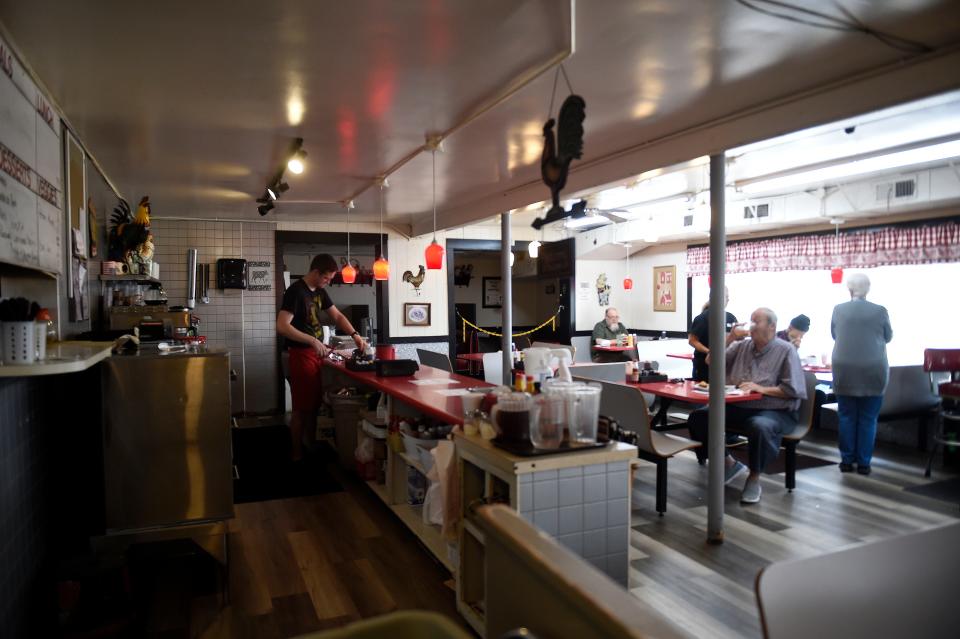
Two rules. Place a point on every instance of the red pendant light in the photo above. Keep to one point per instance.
(434, 256)
(348, 273)
(627, 282)
(836, 273)
(381, 267)
(434, 253)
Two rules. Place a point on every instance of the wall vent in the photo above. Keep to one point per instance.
(753, 212)
(688, 220)
(898, 190)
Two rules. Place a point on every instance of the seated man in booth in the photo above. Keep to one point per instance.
(765, 365)
(607, 328)
(799, 326)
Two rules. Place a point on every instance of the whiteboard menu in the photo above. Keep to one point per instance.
(31, 171)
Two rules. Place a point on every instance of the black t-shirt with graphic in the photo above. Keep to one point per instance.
(305, 305)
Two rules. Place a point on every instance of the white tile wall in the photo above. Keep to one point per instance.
(241, 321)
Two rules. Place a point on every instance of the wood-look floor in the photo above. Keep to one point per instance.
(300, 565)
(709, 589)
(307, 564)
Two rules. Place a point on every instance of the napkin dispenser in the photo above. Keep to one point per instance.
(396, 367)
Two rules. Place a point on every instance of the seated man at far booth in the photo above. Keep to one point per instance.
(765, 365)
(799, 326)
(607, 328)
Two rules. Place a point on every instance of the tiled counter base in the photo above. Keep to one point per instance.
(580, 498)
(586, 508)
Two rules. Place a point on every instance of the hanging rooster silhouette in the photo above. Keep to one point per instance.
(557, 154)
(129, 231)
(416, 280)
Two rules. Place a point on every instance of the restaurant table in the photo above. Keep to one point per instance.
(669, 392)
(608, 354)
(687, 356)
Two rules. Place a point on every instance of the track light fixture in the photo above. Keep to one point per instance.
(276, 186)
(295, 163)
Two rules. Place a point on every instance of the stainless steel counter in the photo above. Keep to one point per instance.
(166, 439)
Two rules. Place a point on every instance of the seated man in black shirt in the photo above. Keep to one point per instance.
(699, 338)
(299, 322)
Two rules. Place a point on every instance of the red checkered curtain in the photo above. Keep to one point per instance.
(890, 245)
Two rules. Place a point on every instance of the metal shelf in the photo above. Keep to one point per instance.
(139, 279)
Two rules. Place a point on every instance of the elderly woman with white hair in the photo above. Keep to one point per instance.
(861, 331)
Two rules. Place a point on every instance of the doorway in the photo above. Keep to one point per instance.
(473, 285)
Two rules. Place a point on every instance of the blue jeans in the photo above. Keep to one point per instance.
(858, 427)
(764, 429)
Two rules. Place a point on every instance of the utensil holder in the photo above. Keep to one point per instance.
(40, 340)
(19, 342)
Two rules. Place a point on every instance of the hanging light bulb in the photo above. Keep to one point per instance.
(512, 259)
(434, 253)
(381, 267)
(533, 248)
(836, 273)
(348, 273)
(627, 282)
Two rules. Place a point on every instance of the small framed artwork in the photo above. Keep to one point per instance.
(416, 314)
(492, 292)
(258, 276)
(665, 288)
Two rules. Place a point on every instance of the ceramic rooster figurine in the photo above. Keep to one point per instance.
(417, 279)
(559, 153)
(129, 232)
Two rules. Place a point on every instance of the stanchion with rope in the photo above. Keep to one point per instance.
(552, 320)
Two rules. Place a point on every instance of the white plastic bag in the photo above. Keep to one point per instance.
(364, 452)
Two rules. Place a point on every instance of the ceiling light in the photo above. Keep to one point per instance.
(348, 273)
(297, 155)
(586, 220)
(434, 253)
(265, 208)
(381, 267)
(271, 193)
(533, 248)
(897, 157)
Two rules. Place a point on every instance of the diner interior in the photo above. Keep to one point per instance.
(773, 150)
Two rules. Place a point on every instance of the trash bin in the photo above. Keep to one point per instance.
(346, 414)
(405, 624)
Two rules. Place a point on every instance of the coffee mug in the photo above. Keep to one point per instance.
(385, 351)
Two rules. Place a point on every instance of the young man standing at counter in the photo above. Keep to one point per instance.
(299, 322)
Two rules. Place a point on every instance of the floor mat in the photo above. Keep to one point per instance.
(944, 490)
(264, 469)
(779, 464)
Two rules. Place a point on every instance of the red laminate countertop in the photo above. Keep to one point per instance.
(684, 392)
(613, 349)
(426, 399)
(681, 355)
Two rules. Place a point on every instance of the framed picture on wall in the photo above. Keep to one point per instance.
(492, 292)
(665, 288)
(416, 314)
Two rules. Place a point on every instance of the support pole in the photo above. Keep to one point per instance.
(506, 287)
(716, 450)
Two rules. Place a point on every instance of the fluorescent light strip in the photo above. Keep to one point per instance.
(586, 220)
(897, 159)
